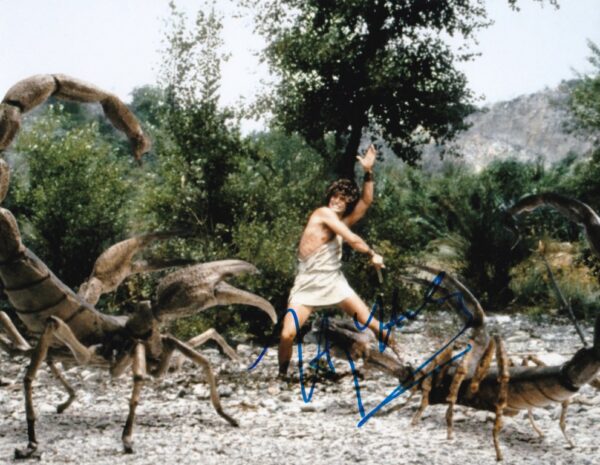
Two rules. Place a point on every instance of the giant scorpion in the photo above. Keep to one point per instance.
(472, 381)
(66, 325)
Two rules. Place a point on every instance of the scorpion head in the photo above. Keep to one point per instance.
(584, 365)
(142, 321)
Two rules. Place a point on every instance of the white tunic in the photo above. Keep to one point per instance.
(320, 281)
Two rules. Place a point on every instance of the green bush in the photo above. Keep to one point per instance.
(70, 193)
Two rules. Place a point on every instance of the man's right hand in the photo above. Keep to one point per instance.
(377, 261)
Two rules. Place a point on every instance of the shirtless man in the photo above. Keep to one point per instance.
(320, 282)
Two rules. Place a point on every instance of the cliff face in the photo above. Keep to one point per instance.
(529, 127)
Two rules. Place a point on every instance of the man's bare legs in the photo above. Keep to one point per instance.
(288, 333)
(355, 306)
(352, 306)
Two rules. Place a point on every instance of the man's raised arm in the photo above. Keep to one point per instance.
(368, 188)
(330, 219)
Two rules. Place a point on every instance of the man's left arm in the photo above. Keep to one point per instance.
(368, 189)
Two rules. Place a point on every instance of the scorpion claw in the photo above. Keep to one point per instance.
(190, 290)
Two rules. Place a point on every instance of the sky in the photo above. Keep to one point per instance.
(116, 44)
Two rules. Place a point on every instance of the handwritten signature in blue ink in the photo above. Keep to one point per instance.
(385, 330)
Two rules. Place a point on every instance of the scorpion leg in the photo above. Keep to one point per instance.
(197, 341)
(120, 365)
(533, 425)
(457, 380)
(55, 328)
(165, 358)
(483, 367)
(6, 345)
(503, 379)
(139, 376)
(200, 360)
(539, 363)
(427, 384)
(14, 344)
(562, 423)
(59, 376)
(532, 358)
(425, 390)
(215, 336)
(13, 333)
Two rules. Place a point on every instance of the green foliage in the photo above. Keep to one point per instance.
(148, 103)
(532, 285)
(466, 222)
(480, 221)
(69, 193)
(191, 66)
(200, 148)
(585, 98)
(349, 66)
(199, 144)
(514, 4)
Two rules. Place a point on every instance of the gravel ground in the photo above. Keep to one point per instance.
(176, 423)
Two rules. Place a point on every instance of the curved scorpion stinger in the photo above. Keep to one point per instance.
(573, 209)
(189, 290)
(31, 92)
(479, 357)
(468, 297)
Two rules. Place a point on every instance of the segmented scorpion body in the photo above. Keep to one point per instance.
(67, 325)
(504, 389)
(471, 381)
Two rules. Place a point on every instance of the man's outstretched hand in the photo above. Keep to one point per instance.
(377, 261)
(368, 160)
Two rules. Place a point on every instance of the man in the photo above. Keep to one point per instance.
(320, 282)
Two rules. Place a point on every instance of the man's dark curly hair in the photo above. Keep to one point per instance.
(346, 188)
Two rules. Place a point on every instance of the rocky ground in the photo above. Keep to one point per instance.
(176, 423)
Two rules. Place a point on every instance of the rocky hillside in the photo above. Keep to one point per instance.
(529, 127)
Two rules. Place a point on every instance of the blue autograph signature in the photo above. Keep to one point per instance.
(385, 330)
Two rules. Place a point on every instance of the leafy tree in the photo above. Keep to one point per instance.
(381, 66)
(471, 206)
(376, 66)
(198, 146)
(199, 143)
(148, 103)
